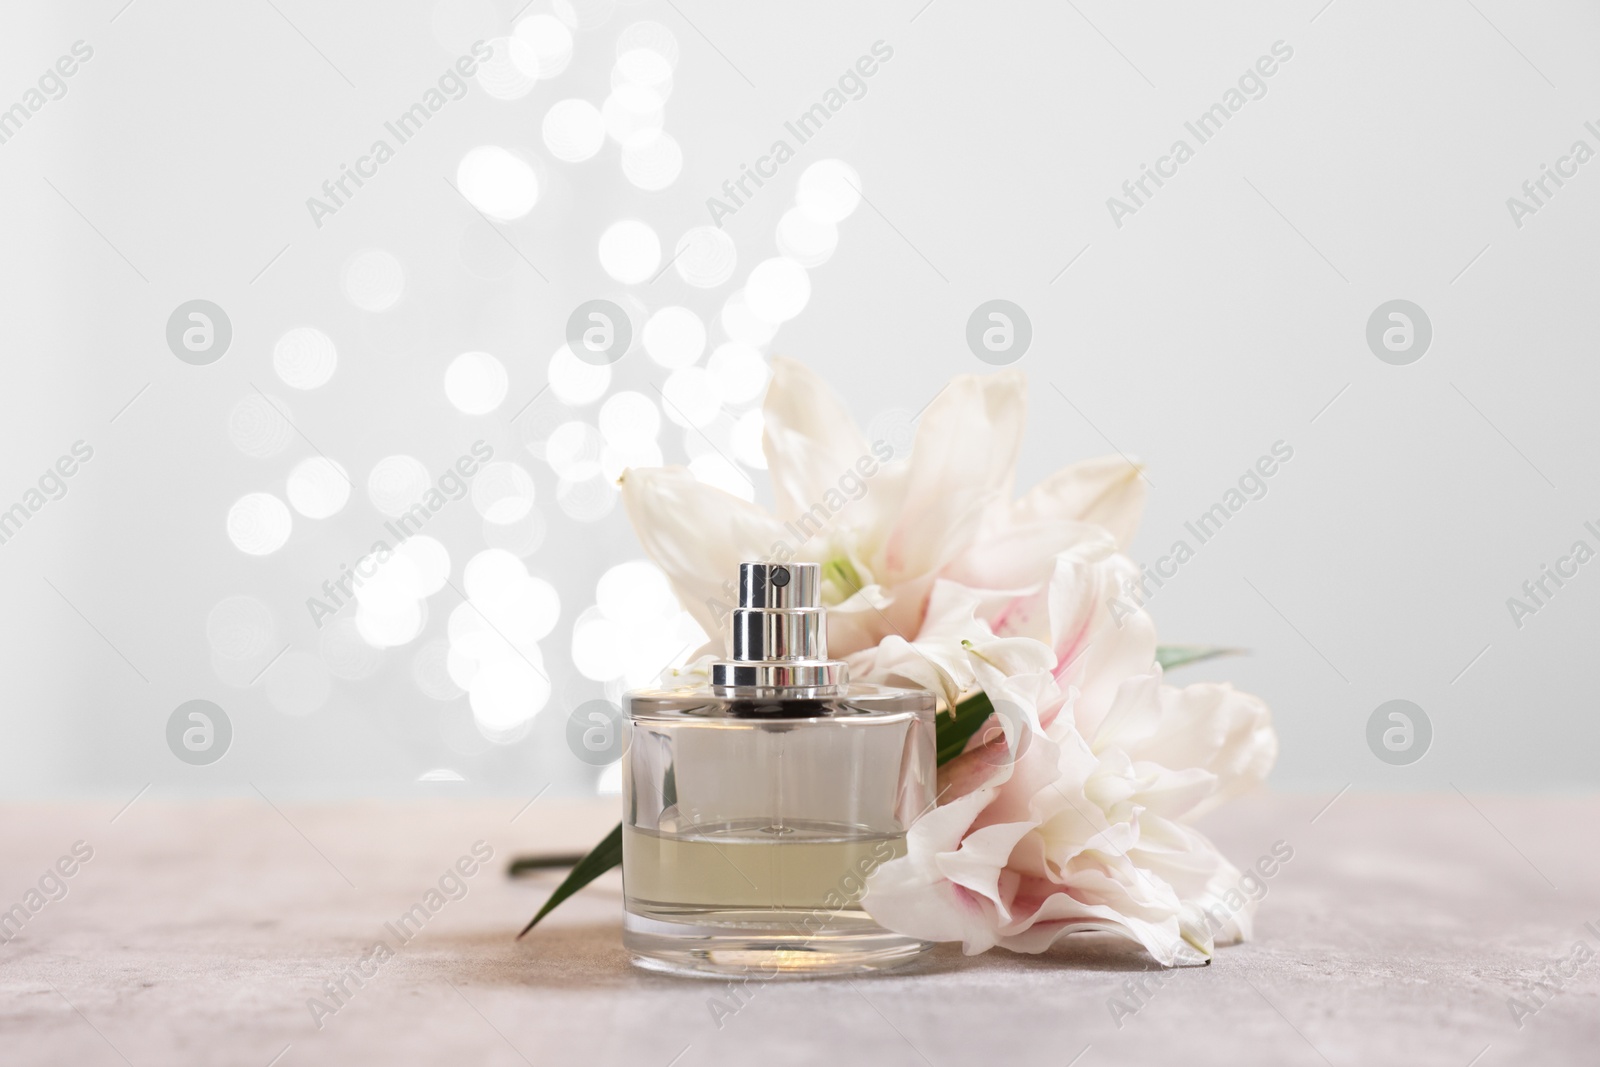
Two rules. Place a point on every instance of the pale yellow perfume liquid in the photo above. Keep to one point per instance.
(790, 868)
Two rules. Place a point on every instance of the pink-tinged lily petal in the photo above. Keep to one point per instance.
(810, 440)
(1107, 492)
(984, 766)
(1033, 770)
(912, 896)
(936, 658)
(1025, 704)
(1100, 637)
(698, 535)
(1016, 594)
(1015, 677)
(963, 462)
(1009, 759)
(1013, 562)
(976, 865)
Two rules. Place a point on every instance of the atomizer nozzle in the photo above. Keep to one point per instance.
(780, 637)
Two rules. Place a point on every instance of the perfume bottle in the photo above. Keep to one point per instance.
(755, 807)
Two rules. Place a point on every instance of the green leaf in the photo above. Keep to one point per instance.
(604, 856)
(954, 730)
(1170, 656)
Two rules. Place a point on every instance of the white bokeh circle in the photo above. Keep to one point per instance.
(778, 289)
(652, 161)
(830, 189)
(476, 383)
(573, 130)
(742, 325)
(318, 487)
(502, 492)
(259, 524)
(551, 42)
(304, 358)
(576, 382)
(629, 417)
(511, 69)
(705, 257)
(630, 251)
(807, 238)
(691, 396)
(674, 337)
(740, 370)
(497, 183)
(374, 280)
(396, 484)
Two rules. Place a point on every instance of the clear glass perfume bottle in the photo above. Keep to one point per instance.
(755, 807)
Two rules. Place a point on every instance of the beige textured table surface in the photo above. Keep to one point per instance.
(197, 933)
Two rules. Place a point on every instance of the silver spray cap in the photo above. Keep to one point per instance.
(780, 635)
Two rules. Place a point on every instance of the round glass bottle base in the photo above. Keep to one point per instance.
(766, 949)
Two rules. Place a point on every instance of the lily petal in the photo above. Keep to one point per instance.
(1211, 727)
(963, 461)
(697, 534)
(911, 895)
(936, 659)
(977, 864)
(1060, 914)
(1108, 492)
(809, 438)
(1101, 637)
(1013, 563)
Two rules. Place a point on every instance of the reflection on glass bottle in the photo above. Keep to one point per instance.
(757, 806)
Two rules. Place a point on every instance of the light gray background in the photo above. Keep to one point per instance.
(1224, 316)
